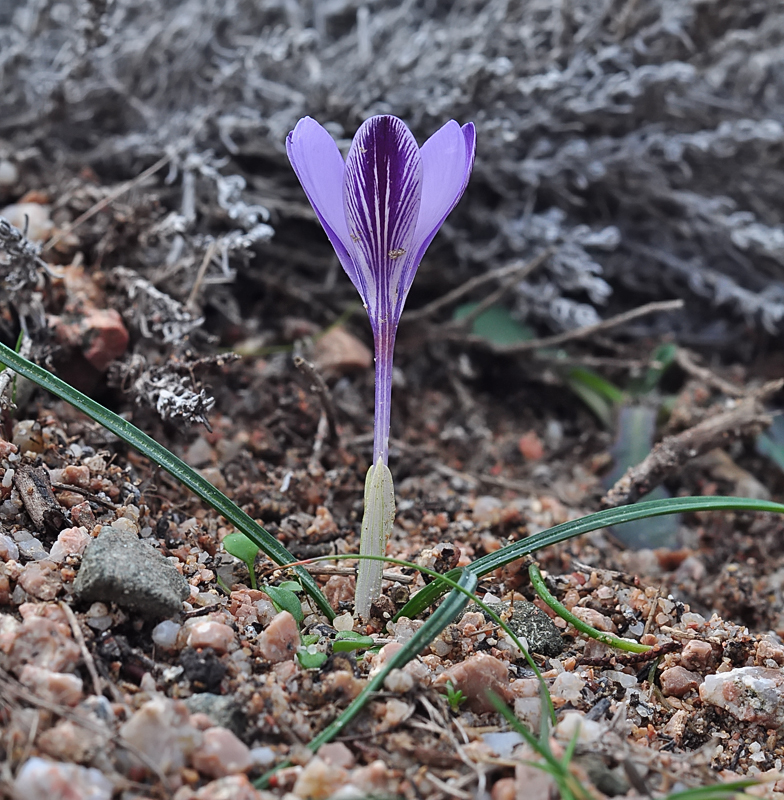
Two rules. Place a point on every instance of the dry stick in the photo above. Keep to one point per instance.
(495, 296)
(748, 418)
(319, 386)
(108, 200)
(205, 262)
(519, 269)
(86, 654)
(387, 576)
(684, 360)
(569, 336)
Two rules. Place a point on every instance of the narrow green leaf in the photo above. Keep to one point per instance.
(177, 468)
(568, 530)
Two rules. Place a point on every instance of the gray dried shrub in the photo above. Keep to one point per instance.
(641, 140)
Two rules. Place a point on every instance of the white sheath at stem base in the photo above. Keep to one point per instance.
(376, 527)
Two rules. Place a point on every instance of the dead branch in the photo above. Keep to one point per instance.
(569, 336)
(748, 418)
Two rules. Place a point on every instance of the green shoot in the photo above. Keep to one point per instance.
(348, 641)
(241, 547)
(454, 696)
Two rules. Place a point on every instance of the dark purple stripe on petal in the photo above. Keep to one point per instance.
(382, 194)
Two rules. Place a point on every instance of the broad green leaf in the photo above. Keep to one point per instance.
(285, 600)
(346, 641)
(496, 324)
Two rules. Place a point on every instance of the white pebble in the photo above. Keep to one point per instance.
(40, 779)
(164, 634)
(343, 622)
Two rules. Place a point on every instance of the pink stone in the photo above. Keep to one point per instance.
(677, 681)
(161, 730)
(280, 639)
(474, 676)
(696, 655)
(750, 694)
(38, 641)
(594, 618)
(71, 541)
(339, 588)
(220, 753)
(770, 651)
(319, 780)
(234, 787)
(76, 475)
(57, 687)
(41, 579)
(209, 633)
(336, 754)
(106, 335)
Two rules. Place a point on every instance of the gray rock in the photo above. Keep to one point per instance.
(221, 709)
(526, 620)
(118, 567)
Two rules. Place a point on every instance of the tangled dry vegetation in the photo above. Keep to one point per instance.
(152, 230)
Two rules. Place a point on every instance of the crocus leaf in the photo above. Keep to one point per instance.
(496, 324)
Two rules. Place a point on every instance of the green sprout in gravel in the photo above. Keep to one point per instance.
(241, 547)
(454, 697)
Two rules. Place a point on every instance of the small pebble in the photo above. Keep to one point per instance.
(678, 681)
(164, 634)
(71, 541)
(319, 780)
(474, 676)
(209, 633)
(280, 639)
(57, 687)
(750, 694)
(221, 753)
(162, 731)
(234, 787)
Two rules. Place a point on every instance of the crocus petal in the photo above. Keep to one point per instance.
(320, 168)
(382, 191)
(447, 161)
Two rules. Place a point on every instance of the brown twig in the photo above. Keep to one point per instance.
(87, 656)
(748, 418)
(327, 570)
(568, 336)
(319, 386)
(108, 200)
(683, 358)
(520, 271)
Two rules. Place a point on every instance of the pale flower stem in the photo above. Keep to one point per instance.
(384, 341)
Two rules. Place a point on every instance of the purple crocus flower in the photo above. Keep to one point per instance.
(381, 209)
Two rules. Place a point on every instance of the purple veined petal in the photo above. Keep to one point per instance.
(447, 161)
(320, 168)
(382, 196)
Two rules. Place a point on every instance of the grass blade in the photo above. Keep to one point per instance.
(592, 522)
(177, 468)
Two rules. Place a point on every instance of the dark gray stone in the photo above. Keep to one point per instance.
(221, 709)
(118, 567)
(529, 621)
